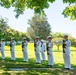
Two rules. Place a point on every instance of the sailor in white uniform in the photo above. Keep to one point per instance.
(24, 49)
(37, 50)
(2, 45)
(66, 43)
(12, 49)
(50, 51)
(43, 50)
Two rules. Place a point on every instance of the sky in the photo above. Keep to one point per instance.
(55, 18)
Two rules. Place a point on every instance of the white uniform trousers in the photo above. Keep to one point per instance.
(13, 54)
(2, 53)
(25, 55)
(50, 58)
(66, 57)
(37, 55)
(43, 55)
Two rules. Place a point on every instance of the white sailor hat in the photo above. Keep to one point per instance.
(2, 39)
(42, 40)
(49, 37)
(12, 38)
(24, 37)
(37, 37)
(65, 35)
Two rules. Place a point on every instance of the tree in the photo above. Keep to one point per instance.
(7, 33)
(38, 6)
(56, 42)
(70, 11)
(14, 33)
(3, 26)
(38, 26)
(56, 38)
(73, 41)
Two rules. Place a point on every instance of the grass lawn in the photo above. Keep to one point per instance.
(58, 68)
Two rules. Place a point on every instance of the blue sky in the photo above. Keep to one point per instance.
(55, 18)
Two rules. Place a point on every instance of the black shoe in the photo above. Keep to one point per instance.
(51, 66)
(67, 68)
(43, 60)
(38, 63)
(25, 61)
(48, 65)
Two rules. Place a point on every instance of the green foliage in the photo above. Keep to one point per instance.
(56, 38)
(14, 33)
(7, 33)
(3, 26)
(70, 11)
(21, 5)
(69, 1)
(39, 26)
(73, 41)
(38, 6)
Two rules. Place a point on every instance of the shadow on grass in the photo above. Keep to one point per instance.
(58, 68)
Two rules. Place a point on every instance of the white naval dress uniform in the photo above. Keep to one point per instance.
(37, 51)
(43, 51)
(2, 49)
(66, 54)
(50, 53)
(12, 50)
(24, 50)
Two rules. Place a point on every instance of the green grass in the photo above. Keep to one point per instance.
(58, 68)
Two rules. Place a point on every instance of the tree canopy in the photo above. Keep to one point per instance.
(38, 6)
(39, 26)
(70, 10)
(3, 26)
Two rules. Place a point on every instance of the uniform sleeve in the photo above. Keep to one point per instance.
(44, 46)
(38, 43)
(50, 45)
(15, 43)
(2, 43)
(26, 44)
(69, 43)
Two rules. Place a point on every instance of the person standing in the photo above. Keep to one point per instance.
(66, 43)
(37, 50)
(42, 50)
(24, 49)
(49, 51)
(2, 45)
(12, 49)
